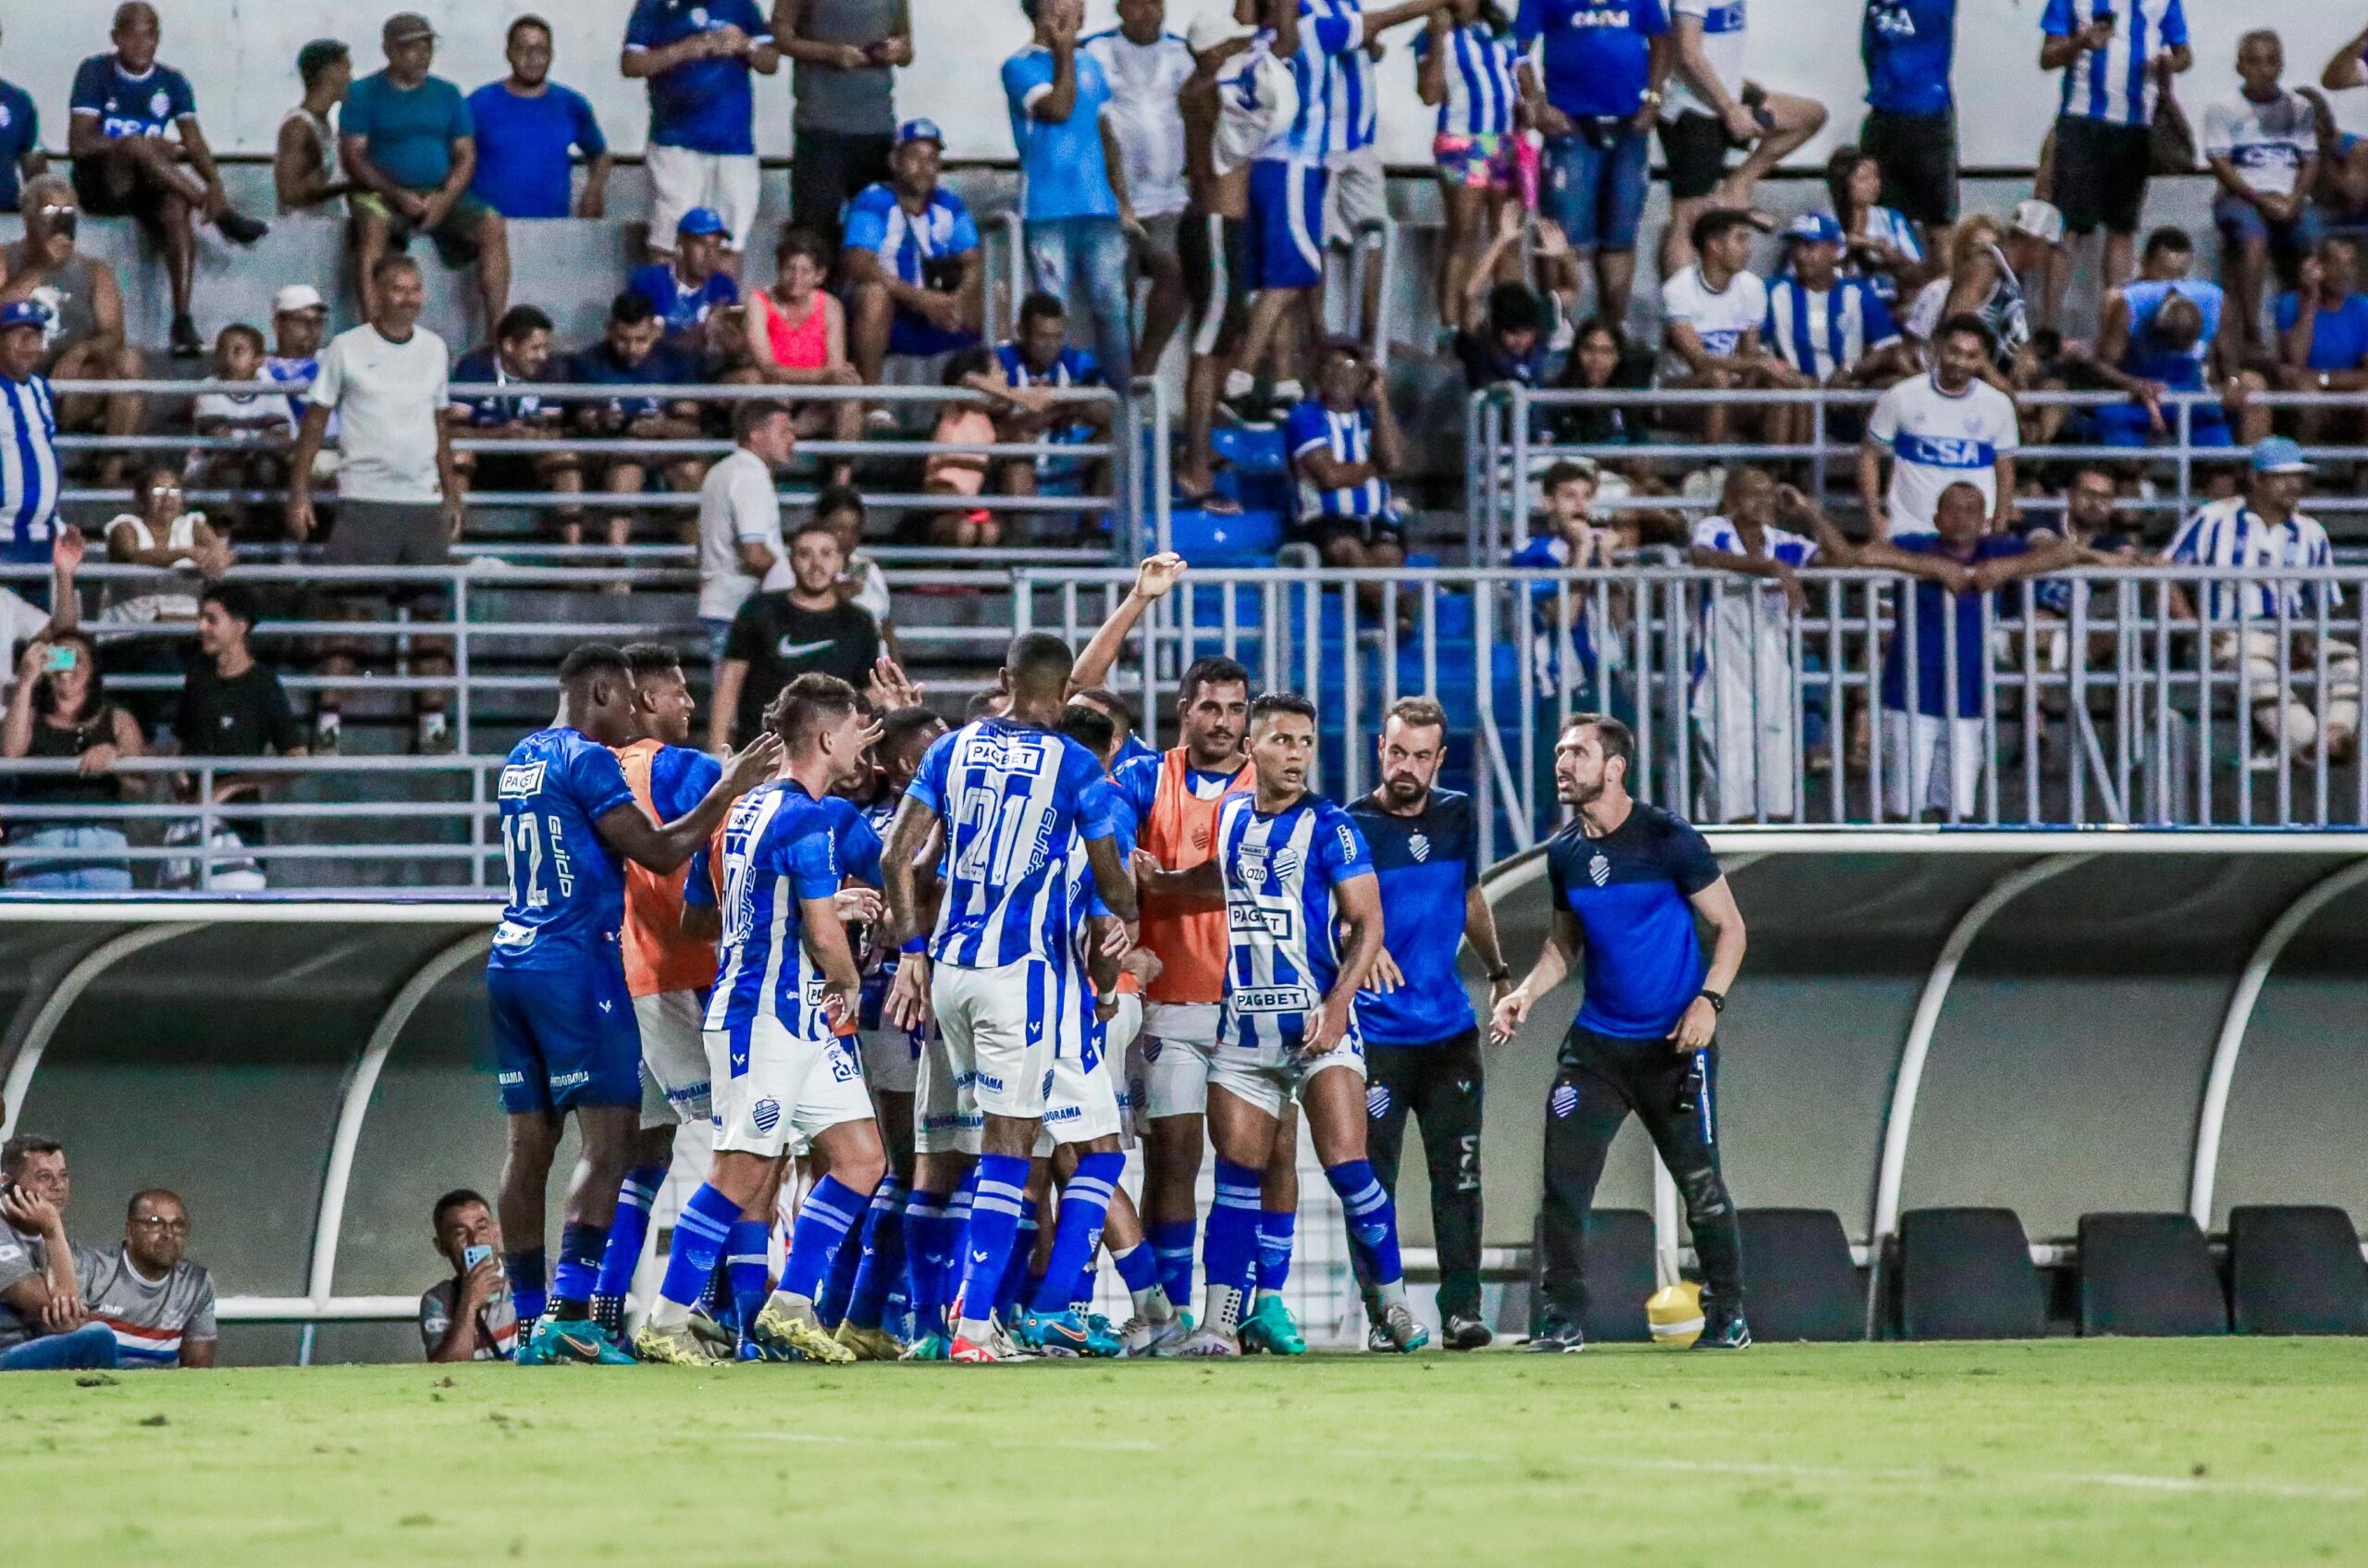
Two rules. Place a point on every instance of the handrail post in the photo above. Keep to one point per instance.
(460, 662)
(206, 828)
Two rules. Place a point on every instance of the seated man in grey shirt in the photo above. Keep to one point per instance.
(42, 1325)
(469, 1316)
(158, 1305)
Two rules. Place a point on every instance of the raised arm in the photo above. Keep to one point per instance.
(1154, 578)
(628, 830)
(2345, 66)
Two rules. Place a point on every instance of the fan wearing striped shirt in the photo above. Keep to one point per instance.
(158, 1305)
(1466, 65)
(1344, 445)
(1835, 331)
(2117, 58)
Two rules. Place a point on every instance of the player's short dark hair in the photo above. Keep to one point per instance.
(1716, 225)
(530, 20)
(631, 308)
(645, 660)
(458, 1198)
(520, 321)
(23, 1147)
(1214, 671)
(834, 498)
(981, 703)
(1419, 713)
(1515, 307)
(899, 728)
(237, 600)
(1965, 321)
(1038, 659)
(1616, 738)
(753, 413)
(1041, 306)
(1090, 727)
(1120, 711)
(593, 659)
(1270, 703)
(132, 1209)
(2171, 238)
(807, 704)
(800, 242)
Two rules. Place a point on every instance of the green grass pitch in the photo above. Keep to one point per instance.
(2098, 1452)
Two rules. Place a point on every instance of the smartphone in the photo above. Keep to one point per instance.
(61, 659)
(472, 1257)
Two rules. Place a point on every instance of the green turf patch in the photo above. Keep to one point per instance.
(2095, 1453)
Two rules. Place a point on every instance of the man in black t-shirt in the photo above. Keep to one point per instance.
(233, 706)
(778, 636)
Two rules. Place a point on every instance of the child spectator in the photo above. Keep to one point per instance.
(255, 422)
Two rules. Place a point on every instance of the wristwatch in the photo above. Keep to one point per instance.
(1651, 96)
(1718, 999)
(1499, 977)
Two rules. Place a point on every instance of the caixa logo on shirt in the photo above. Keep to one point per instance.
(521, 781)
(1583, 18)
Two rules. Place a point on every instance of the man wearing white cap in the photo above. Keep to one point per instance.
(300, 322)
(2264, 530)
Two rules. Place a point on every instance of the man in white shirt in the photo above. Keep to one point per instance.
(1711, 316)
(2264, 148)
(1147, 66)
(1944, 427)
(2266, 530)
(399, 489)
(740, 543)
(1710, 110)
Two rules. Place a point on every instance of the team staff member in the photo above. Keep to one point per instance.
(1422, 1041)
(1628, 880)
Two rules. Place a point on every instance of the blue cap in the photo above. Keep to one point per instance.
(1815, 228)
(702, 220)
(2280, 455)
(23, 312)
(919, 130)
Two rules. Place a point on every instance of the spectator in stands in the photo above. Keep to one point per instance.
(81, 325)
(1040, 360)
(1744, 694)
(1073, 200)
(299, 321)
(1988, 267)
(690, 287)
(632, 352)
(798, 337)
(124, 107)
(469, 1316)
(526, 127)
(2263, 145)
(1711, 315)
(1834, 331)
(963, 474)
(1880, 244)
(2323, 333)
(1602, 360)
(20, 152)
(409, 147)
(779, 636)
(180, 545)
(861, 582)
(1146, 66)
(400, 503)
(1563, 535)
(1503, 329)
(844, 54)
(157, 1305)
(1356, 194)
(741, 549)
(1712, 109)
(2116, 58)
(1344, 446)
(22, 621)
(1945, 428)
(1466, 66)
(44, 1326)
(1932, 754)
(2342, 194)
(2266, 530)
(2092, 521)
(1910, 134)
(2158, 338)
(30, 485)
(697, 56)
(254, 423)
(521, 351)
(231, 703)
(1606, 64)
(59, 712)
(305, 168)
(915, 274)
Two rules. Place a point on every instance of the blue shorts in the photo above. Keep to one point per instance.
(2125, 425)
(924, 338)
(1597, 193)
(564, 1040)
(1286, 225)
(2240, 222)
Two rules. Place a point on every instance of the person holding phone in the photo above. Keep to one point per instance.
(1344, 445)
(844, 56)
(59, 711)
(469, 1316)
(2117, 58)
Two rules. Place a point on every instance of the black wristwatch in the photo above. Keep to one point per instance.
(1499, 977)
(1718, 999)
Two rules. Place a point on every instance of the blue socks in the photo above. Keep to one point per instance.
(1171, 1242)
(928, 1237)
(1077, 1232)
(987, 1239)
(1275, 1233)
(882, 1255)
(580, 1247)
(628, 1230)
(745, 1249)
(1373, 1222)
(529, 1274)
(1231, 1250)
(1016, 1283)
(958, 1216)
(824, 1220)
(700, 1235)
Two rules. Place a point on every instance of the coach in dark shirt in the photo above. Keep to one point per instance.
(233, 706)
(1422, 1041)
(778, 636)
(1628, 881)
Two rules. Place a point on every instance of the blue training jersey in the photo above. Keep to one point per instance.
(1010, 797)
(779, 847)
(1279, 871)
(1908, 47)
(567, 891)
(1426, 864)
(1630, 889)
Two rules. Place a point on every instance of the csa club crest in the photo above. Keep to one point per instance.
(766, 1114)
(1376, 1101)
(1563, 1101)
(1419, 847)
(1599, 869)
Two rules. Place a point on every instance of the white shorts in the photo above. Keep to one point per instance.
(674, 1080)
(1082, 1105)
(999, 1027)
(1118, 1055)
(1271, 1076)
(788, 1089)
(1356, 194)
(945, 1117)
(892, 1060)
(681, 179)
(1167, 1064)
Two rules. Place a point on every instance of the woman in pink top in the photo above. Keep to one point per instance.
(798, 337)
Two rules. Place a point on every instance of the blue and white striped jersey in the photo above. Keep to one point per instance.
(1891, 227)
(1075, 991)
(2113, 83)
(780, 845)
(1327, 31)
(1352, 86)
(1279, 872)
(1482, 88)
(1011, 798)
(2230, 533)
(1349, 437)
(1820, 332)
(28, 478)
(906, 243)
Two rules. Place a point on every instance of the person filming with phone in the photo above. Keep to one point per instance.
(59, 712)
(1344, 445)
(469, 1316)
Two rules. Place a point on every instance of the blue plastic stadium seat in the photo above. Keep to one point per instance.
(1966, 1274)
(2296, 1270)
(1250, 449)
(1212, 539)
(2148, 1274)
